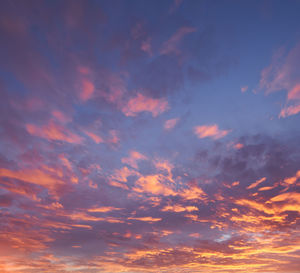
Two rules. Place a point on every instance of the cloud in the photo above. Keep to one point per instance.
(153, 184)
(170, 123)
(283, 74)
(132, 160)
(87, 90)
(256, 183)
(51, 180)
(244, 89)
(97, 139)
(141, 103)
(171, 45)
(53, 131)
(211, 131)
(289, 111)
(179, 208)
(145, 219)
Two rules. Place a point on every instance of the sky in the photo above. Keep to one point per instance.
(150, 136)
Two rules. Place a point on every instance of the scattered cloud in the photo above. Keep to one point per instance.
(210, 131)
(170, 123)
(141, 103)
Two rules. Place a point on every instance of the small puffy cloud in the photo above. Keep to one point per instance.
(244, 88)
(170, 123)
(211, 131)
(238, 146)
(141, 103)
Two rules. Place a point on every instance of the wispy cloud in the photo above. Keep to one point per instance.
(141, 103)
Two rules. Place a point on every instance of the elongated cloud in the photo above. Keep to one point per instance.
(256, 183)
(171, 45)
(141, 103)
(210, 131)
(53, 131)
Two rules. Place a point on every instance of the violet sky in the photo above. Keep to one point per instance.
(150, 136)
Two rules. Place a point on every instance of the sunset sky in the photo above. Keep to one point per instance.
(150, 136)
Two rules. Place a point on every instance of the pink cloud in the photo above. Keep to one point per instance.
(171, 45)
(146, 46)
(211, 131)
(133, 159)
(61, 117)
(294, 93)
(141, 103)
(244, 89)
(283, 74)
(289, 111)
(170, 123)
(53, 131)
(175, 5)
(97, 139)
(87, 90)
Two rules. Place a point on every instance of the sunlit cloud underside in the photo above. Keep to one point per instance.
(149, 136)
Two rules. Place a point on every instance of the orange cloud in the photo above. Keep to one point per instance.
(256, 183)
(35, 176)
(166, 166)
(153, 184)
(170, 123)
(193, 192)
(145, 219)
(211, 131)
(102, 209)
(53, 131)
(293, 179)
(179, 208)
(238, 146)
(141, 103)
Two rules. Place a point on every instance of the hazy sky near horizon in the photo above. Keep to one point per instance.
(150, 136)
